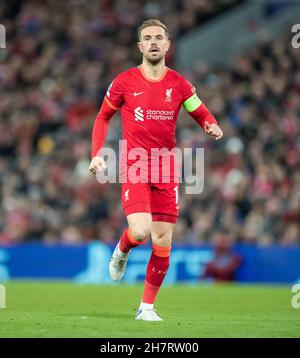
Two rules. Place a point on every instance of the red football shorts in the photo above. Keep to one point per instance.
(159, 199)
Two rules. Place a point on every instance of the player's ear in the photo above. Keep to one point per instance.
(140, 46)
(168, 44)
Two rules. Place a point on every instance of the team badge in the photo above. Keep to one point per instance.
(168, 95)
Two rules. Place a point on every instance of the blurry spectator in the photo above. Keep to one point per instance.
(225, 263)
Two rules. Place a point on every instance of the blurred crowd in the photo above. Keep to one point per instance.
(60, 58)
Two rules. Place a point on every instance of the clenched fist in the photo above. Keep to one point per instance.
(213, 130)
(97, 164)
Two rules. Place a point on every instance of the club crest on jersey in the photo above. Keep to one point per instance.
(169, 94)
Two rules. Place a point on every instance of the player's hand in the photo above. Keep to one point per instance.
(213, 130)
(97, 164)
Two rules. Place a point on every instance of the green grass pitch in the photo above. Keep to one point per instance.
(63, 309)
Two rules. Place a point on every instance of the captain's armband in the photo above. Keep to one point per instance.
(192, 103)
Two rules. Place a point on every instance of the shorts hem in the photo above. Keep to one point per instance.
(165, 218)
(142, 207)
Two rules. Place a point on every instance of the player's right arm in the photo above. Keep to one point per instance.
(112, 101)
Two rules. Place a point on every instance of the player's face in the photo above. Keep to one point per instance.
(153, 44)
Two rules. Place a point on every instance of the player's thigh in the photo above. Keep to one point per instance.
(165, 202)
(140, 225)
(137, 208)
(161, 233)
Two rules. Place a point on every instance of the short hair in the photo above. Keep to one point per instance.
(152, 22)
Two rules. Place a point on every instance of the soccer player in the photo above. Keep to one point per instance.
(150, 97)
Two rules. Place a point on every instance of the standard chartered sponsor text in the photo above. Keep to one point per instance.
(161, 115)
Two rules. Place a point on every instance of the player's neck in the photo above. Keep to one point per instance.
(153, 72)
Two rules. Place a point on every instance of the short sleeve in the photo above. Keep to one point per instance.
(114, 93)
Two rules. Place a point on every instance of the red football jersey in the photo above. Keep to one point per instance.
(149, 110)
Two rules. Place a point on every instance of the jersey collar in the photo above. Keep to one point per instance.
(140, 67)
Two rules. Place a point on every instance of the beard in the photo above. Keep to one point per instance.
(154, 59)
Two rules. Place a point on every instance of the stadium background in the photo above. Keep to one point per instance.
(57, 222)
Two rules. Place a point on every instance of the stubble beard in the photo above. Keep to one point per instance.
(154, 61)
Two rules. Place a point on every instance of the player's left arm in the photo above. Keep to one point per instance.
(197, 109)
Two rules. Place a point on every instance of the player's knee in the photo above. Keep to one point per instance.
(140, 234)
(163, 239)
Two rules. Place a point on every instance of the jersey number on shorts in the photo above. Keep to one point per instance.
(176, 196)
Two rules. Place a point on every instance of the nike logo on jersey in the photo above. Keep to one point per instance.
(137, 93)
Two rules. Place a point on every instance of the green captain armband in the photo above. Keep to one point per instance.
(192, 103)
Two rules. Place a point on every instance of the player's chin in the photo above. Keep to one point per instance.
(155, 58)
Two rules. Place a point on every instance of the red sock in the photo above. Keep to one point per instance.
(127, 242)
(156, 271)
